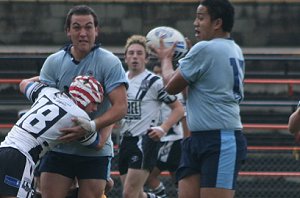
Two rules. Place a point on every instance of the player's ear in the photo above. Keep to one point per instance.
(68, 33)
(125, 60)
(147, 58)
(218, 23)
(97, 31)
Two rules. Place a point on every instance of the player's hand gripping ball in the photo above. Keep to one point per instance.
(169, 36)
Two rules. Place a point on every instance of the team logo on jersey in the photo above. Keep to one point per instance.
(145, 85)
(134, 110)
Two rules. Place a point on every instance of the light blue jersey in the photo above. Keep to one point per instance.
(60, 69)
(214, 71)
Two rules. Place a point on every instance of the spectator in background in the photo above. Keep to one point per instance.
(69, 160)
(169, 151)
(213, 71)
(140, 132)
(38, 130)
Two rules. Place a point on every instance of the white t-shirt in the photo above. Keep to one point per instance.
(38, 129)
(145, 96)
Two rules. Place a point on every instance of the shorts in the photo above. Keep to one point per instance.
(71, 166)
(169, 155)
(216, 155)
(137, 153)
(16, 173)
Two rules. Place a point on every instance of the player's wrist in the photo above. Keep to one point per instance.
(159, 128)
(91, 140)
(93, 125)
(88, 125)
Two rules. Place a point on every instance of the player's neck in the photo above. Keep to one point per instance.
(77, 55)
(221, 34)
(133, 73)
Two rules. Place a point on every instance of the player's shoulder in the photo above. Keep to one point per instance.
(200, 47)
(35, 90)
(59, 54)
(151, 75)
(105, 54)
(152, 78)
(65, 103)
(105, 59)
(78, 112)
(50, 89)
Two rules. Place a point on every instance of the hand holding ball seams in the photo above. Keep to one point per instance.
(169, 36)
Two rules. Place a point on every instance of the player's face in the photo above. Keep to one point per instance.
(136, 58)
(204, 26)
(91, 107)
(83, 33)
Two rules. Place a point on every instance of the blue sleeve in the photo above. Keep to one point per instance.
(194, 64)
(115, 75)
(48, 72)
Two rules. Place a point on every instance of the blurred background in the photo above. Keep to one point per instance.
(269, 23)
(267, 30)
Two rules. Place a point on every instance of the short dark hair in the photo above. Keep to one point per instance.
(80, 10)
(222, 9)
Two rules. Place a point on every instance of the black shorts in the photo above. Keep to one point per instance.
(81, 167)
(16, 173)
(169, 156)
(137, 153)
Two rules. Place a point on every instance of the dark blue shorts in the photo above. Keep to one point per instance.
(215, 155)
(82, 167)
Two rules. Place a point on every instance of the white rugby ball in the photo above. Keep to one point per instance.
(169, 36)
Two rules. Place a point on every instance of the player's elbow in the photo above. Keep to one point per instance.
(292, 129)
(123, 109)
(23, 84)
(293, 125)
(182, 111)
(170, 90)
